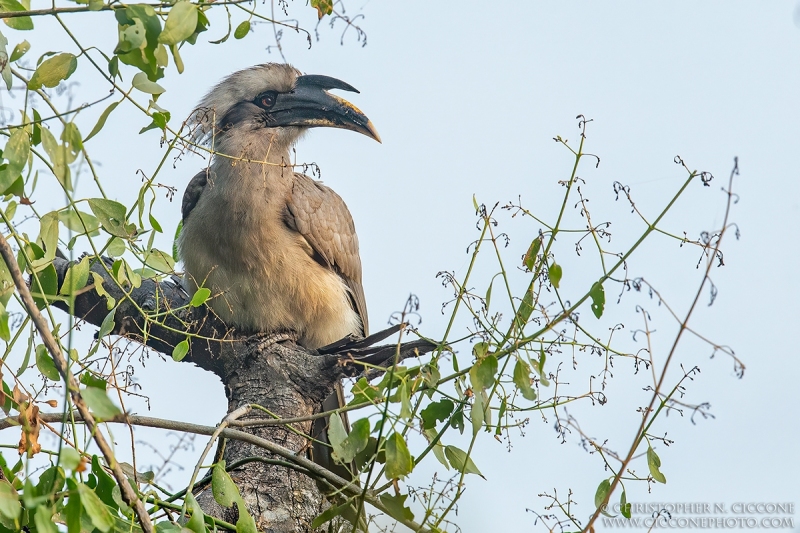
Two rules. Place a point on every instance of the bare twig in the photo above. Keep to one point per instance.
(648, 420)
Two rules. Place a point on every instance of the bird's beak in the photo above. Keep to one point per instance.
(311, 105)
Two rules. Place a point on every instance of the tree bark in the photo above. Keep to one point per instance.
(287, 380)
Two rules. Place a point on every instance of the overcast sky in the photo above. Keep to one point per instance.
(467, 98)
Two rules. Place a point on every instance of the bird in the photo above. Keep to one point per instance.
(277, 249)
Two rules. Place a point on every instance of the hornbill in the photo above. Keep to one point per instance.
(277, 249)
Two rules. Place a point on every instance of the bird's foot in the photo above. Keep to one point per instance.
(265, 340)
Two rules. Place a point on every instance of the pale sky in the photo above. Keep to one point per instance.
(467, 98)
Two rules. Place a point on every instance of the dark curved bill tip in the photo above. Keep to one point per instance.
(323, 82)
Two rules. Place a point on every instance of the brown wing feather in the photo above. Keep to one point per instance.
(321, 216)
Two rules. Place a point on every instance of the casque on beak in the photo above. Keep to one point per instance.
(310, 105)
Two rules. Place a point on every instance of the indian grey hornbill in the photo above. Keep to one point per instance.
(277, 249)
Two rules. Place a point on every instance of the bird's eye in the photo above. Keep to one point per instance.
(266, 100)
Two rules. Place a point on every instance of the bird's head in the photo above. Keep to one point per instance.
(277, 100)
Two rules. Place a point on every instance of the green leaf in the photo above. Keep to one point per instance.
(45, 364)
(398, 459)
(71, 137)
(48, 238)
(90, 380)
(51, 481)
(336, 432)
(160, 261)
(180, 25)
(177, 56)
(368, 454)
(624, 506)
(329, 514)
(323, 7)
(457, 420)
(195, 523)
(111, 215)
(69, 458)
(242, 30)
(345, 451)
(601, 493)
(108, 324)
(76, 277)
(478, 412)
(116, 493)
(482, 373)
(530, 256)
(245, 523)
(654, 464)
(555, 273)
(200, 297)
(73, 509)
(154, 223)
(405, 399)
(9, 501)
(162, 57)
(503, 406)
(539, 367)
(11, 209)
(598, 296)
(525, 308)
(178, 230)
(99, 403)
(133, 277)
(101, 121)
(141, 82)
(16, 152)
(461, 461)
(79, 222)
(522, 379)
(53, 70)
(7, 286)
(436, 411)
(18, 23)
(222, 486)
(131, 37)
(5, 69)
(144, 58)
(5, 330)
(116, 247)
(104, 484)
(58, 157)
(364, 392)
(396, 506)
(180, 350)
(159, 121)
(98, 513)
(26, 360)
(44, 520)
(113, 67)
(438, 449)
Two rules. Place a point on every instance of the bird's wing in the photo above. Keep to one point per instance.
(192, 194)
(322, 218)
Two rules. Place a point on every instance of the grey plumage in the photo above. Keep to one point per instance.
(277, 249)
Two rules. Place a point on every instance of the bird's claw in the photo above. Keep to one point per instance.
(265, 340)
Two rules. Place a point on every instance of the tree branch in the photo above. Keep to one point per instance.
(128, 494)
(309, 466)
(158, 315)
